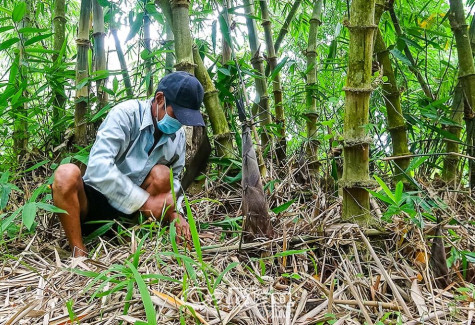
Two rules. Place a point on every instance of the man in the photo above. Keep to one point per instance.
(128, 169)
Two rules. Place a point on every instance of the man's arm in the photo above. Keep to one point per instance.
(102, 173)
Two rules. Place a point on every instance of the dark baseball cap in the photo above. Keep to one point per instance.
(185, 94)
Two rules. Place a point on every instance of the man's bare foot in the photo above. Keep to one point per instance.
(78, 252)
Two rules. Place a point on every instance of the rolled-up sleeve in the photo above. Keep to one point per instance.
(177, 168)
(113, 138)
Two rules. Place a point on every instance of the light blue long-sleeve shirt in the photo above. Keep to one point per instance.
(119, 161)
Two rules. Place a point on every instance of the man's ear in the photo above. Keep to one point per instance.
(159, 97)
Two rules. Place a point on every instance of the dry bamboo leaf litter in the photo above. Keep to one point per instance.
(315, 257)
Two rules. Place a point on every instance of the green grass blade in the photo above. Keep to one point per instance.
(147, 300)
(194, 231)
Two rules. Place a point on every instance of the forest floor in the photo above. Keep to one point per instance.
(317, 270)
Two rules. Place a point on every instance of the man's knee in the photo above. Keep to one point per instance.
(161, 178)
(67, 179)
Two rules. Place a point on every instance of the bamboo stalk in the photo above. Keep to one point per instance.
(82, 72)
(169, 56)
(59, 100)
(183, 40)
(392, 99)
(257, 63)
(412, 67)
(358, 89)
(276, 84)
(20, 108)
(285, 27)
(100, 53)
(451, 162)
(310, 90)
(148, 61)
(466, 76)
(123, 64)
(219, 123)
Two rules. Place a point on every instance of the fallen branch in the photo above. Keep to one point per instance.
(385, 305)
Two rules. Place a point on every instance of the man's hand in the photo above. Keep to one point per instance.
(182, 228)
(156, 204)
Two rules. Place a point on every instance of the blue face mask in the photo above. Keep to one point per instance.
(168, 124)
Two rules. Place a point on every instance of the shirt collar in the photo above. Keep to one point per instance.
(147, 115)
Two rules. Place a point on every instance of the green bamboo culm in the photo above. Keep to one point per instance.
(451, 162)
(82, 72)
(148, 61)
(219, 123)
(183, 40)
(281, 143)
(355, 179)
(59, 100)
(99, 52)
(257, 63)
(392, 99)
(466, 76)
(310, 91)
(123, 64)
(20, 108)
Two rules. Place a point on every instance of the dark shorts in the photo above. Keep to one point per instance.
(101, 213)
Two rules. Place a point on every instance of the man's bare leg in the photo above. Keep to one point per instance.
(69, 195)
(157, 180)
(157, 183)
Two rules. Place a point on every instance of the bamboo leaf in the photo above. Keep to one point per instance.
(37, 39)
(18, 12)
(49, 207)
(213, 35)
(103, 3)
(282, 207)
(115, 84)
(28, 214)
(385, 188)
(135, 27)
(381, 197)
(223, 26)
(278, 68)
(30, 30)
(401, 57)
(9, 42)
(5, 28)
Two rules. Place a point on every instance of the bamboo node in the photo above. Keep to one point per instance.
(257, 59)
(81, 41)
(210, 93)
(358, 90)
(468, 75)
(180, 3)
(315, 20)
(185, 66)
(265, 22)
(62, 18)
(311, 115)
(222, 136)
(357, 141)
(364, 183)
(397, 127)
(99, 33)
(348, 25)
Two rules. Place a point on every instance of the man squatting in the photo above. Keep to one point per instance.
(129, 163)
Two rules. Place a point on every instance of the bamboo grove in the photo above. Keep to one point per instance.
(347, 90)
